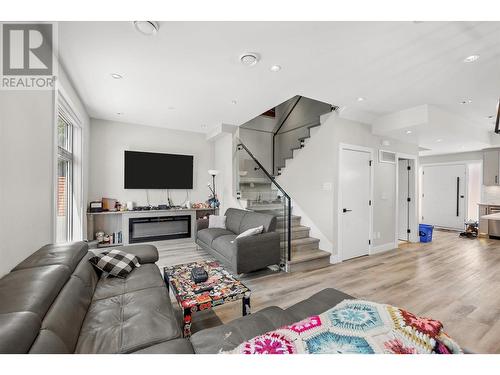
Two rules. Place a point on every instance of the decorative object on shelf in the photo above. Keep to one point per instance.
(130, 205)
(95, 206)
(213, 201)
(99, 236)
(109, 204)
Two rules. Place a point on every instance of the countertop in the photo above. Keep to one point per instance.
(489, 204)
(491, 217)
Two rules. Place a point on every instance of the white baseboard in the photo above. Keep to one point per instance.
(382, 248)
(334, 258)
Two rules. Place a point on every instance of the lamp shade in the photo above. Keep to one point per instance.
(213, 172)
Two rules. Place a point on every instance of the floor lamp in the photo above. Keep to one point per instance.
(213, 173)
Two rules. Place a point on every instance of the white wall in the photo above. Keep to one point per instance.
(307, 176)
(26, 174)
(109, 140)
(260, 143)
(27, 168)
(226, 159)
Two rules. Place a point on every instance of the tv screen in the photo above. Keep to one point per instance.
(149, 170)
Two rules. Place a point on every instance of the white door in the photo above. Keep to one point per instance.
(403, 196)
(355, 203)
(443, 195)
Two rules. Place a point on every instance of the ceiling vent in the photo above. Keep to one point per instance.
(249, 58)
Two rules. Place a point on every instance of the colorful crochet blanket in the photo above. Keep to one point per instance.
(355, 326)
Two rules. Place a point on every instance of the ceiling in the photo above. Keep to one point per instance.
(189, 77)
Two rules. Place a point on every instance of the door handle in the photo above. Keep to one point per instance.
(458, 196)
(346, 210)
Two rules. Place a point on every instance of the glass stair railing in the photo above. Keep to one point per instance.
(259, 192)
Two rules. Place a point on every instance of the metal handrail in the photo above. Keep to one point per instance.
(284, 193)
(279, 128)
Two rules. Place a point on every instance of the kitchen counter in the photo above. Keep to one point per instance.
(491, 217)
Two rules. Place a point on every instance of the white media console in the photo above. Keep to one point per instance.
(146, 226)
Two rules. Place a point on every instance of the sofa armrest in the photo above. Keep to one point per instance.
(254, 252)
(201, 224)
(145, 253)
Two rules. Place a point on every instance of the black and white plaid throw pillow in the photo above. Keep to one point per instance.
(115, 262)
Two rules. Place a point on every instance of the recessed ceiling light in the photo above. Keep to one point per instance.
(361, 99)
(439, 140)
(408, 132)
(471, 58)
(249, 58)
(466, 101)
(147, 27)
(119, 113)
(234, 102)
(116, 76)
(275, 68)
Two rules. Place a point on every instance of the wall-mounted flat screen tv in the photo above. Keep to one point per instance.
(150, 170)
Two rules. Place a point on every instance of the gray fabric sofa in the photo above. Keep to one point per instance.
(55, 302)
(244, 254)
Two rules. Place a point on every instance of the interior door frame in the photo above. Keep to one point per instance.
(466, 185)
(415, 214)
(342, 147)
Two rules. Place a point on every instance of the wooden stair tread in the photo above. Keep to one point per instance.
(304, 256)
(281, 218)
(296, 228)
(301, 241)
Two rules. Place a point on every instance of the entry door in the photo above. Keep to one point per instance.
(443, 196)
(403, 199)
(355, 203)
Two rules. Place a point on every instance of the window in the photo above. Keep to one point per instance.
(64, 221)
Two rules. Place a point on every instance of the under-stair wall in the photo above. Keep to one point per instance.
(308, 178)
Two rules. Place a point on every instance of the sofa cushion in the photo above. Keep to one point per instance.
(144, 252)
(255, 219)
(317, 303)
(115, 262)
(225, 246)
(128, 322)
(18, 331)
(208, 235)
(177, 346)
(230, 335)
(146, 276)
(68, 254)
(32, 289)
(217, 221)
(234, 218)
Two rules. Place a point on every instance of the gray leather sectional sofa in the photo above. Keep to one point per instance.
(244, 254)
(55, 302)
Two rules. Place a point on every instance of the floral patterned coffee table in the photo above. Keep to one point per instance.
(192, 297)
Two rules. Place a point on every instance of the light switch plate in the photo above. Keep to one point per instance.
(327, 186)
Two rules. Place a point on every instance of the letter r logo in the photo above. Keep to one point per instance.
(27, 49)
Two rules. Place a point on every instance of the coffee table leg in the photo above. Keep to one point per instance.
(246, 305)
(165, 277)
(187, 323)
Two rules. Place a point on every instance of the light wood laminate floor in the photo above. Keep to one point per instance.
(454, 280)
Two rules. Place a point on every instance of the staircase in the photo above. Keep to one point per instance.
(311, 130)
(259, 190)
(306, 254)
